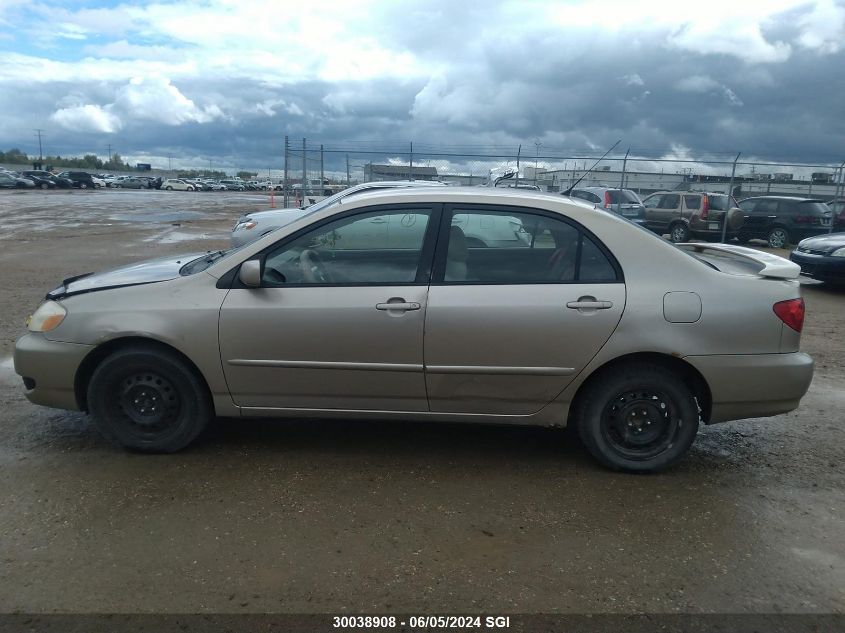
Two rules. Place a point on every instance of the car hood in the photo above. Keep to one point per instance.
(154, 270)
(276, 215)
(824, 243)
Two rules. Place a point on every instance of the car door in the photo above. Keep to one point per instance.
(507, 328)
(651, 210)
(760, 219)
(338, 320)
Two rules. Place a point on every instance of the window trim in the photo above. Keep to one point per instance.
(231, 280)
(442, 246)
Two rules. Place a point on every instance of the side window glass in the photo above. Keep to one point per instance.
(747, 205)
(372, 248)
(594, 264)
(594, 198)
(692, 202)
(670, 201)
(788, 207)
(766, 206)
(652, 202)
(518, 248)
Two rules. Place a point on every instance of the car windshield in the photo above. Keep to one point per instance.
(627, 197)
(719, 202)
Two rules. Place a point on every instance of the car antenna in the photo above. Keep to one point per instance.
(584, 175)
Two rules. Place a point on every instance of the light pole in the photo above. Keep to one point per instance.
(538, 145)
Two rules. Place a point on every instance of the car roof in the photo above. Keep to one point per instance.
(802, 199)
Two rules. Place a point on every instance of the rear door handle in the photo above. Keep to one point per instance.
(589, 303)
(403, 306)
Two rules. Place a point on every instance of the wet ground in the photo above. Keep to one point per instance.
(297, 516)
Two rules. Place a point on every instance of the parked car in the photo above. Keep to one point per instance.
(40, 181)
(9, 180)
(294, 324)
(622, 201)
(132, 183)
(822, 257)
(80, 179)
(783, 220)
(691, 214)
(837, 207)
(61, 183)
(176, 184)
(253, 225)
(233, 185)
(199, 185)
(99, 183)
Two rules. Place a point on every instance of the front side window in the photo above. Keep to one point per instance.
(373, 248)
(652, 202)
(504, 247)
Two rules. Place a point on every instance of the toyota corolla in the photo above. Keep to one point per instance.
(381, 307)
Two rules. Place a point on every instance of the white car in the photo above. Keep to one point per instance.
(176, 184)
(251, 226)
(99, 183)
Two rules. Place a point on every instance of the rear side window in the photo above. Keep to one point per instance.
(747, 205)
(813, 208)
(766, 206)
(506, 247)
(692, 202)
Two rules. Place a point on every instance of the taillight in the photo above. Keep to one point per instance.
(606, 199)
(705, 206)
(791, 312)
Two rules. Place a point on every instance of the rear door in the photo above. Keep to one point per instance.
(760, 218)
(508, 327)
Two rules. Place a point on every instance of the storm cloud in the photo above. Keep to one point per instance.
(225, 81)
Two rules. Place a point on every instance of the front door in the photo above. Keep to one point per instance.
(338, 321)
(508, 327)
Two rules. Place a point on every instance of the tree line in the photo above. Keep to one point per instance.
(89, 161)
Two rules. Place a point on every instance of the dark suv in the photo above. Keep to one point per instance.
(782, 220)
(80, 179)
(622, 201)
(686, 214)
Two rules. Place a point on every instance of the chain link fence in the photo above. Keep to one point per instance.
(314, 171)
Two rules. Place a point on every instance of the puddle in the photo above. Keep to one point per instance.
(157, 216)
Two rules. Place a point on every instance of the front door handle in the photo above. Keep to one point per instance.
(400, 305)
(588, 304)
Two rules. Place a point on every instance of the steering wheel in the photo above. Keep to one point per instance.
(313, 268)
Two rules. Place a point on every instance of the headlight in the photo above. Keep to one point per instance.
(245, 226)
(47, 317)
(839, 252)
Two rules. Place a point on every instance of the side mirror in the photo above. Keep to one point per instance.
(250, 273)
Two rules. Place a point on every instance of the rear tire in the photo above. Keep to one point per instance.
(83, 185)
(149, 400)
(169, 188)
(637, 418)
(778, 237)
(679, 232)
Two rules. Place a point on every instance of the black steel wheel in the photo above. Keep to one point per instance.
(637, 417)
(148, 399)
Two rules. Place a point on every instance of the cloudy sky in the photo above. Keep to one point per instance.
(225, 80)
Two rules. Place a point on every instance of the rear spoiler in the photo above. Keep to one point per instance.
(770, 265)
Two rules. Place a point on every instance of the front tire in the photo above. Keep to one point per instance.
(778, 237)
(83, 185)
(149, 400)
(637, 418)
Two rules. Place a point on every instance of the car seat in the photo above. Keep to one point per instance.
(456, 256)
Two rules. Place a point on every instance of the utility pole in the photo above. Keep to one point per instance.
(109, 150)
(322, 171)
(40, 151)
(304, 169)
(538, 145)
(348, 181)
(169, 162)
(411, 163)
(518, 154)
(730, 198)
(285, 181)
(622, 183)
(839, 188)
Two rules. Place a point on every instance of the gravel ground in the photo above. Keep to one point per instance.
(295, 516)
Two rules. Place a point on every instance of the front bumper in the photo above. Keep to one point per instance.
(824, 267)
(49, 369)
(754, 385)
